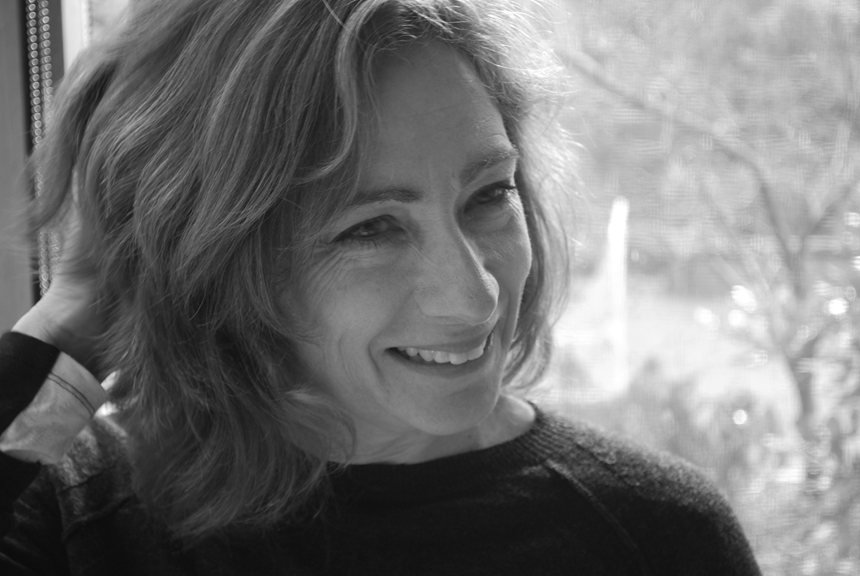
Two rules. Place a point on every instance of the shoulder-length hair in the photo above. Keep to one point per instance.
(204, 146)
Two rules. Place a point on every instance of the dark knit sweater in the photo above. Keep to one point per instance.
(560, 499)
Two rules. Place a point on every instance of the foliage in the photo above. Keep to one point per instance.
(733, 128)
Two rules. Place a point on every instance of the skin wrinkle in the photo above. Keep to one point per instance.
(446, 266)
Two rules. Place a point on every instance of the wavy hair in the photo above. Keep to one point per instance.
(203, 148)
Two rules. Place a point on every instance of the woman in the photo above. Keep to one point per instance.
(308, 237)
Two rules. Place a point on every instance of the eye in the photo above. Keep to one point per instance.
(492, 196)
(373, 231)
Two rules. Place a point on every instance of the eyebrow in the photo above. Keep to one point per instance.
(467, 175)
(496, 156)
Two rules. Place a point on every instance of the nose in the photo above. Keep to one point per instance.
(455, 284)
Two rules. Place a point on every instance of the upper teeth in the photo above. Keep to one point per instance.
(443, 357)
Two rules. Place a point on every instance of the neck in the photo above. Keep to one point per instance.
(510, 418)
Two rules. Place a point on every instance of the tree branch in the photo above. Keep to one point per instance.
(733, 148)
(834, 206)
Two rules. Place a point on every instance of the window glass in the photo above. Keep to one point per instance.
(714, 309)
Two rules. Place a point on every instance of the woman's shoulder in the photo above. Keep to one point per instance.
(606, 458)
(95, 474)
(83, 514)
(661, 505)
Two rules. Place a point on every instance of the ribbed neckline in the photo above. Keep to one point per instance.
(452, 475)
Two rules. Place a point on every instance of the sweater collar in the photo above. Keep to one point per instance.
(450, 476)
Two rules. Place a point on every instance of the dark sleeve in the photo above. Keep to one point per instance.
(25, 362)
(30, 542)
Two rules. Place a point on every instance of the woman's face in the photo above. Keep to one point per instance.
(414, 290)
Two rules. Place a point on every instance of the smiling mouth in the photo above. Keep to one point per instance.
(422, 356)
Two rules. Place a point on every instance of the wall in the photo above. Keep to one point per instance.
(15, 287)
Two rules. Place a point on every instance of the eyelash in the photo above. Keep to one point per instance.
(351, 234)
(506, 191)
(499, 193)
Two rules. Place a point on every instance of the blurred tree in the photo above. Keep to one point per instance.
(733, 127)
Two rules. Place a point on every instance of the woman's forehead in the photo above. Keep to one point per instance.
(421, 71)
(430, 107)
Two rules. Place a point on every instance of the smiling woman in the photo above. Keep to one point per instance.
(307, 240)
(415, 291)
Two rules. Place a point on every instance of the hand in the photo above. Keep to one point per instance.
(66, 316)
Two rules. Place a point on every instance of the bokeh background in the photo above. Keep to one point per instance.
(714, 310)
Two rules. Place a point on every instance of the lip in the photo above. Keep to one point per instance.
(447, 369)
(458, 347)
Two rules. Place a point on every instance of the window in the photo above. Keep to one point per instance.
(714, 310)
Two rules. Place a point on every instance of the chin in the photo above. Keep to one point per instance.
(456, 414)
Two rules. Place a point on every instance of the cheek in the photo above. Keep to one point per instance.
(522, 253)
(341, 313)
(516, 266)
(511, 256)
(346, 306)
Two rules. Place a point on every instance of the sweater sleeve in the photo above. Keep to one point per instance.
(25, 362)
(65, 402)
(46, 399)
